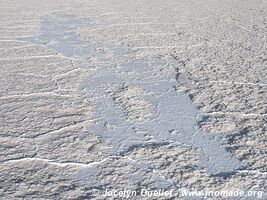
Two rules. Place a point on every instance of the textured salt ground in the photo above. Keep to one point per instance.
(119, 91)
(172, 117)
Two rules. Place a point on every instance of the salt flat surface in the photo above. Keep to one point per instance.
(104, 95)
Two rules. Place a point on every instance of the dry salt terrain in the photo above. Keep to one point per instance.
(115, 94)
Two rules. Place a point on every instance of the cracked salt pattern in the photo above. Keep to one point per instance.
(173, 117)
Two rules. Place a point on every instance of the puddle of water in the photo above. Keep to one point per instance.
(57, 33)
(175, 112)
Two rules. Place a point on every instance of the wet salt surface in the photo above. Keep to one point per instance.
(173, 117)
